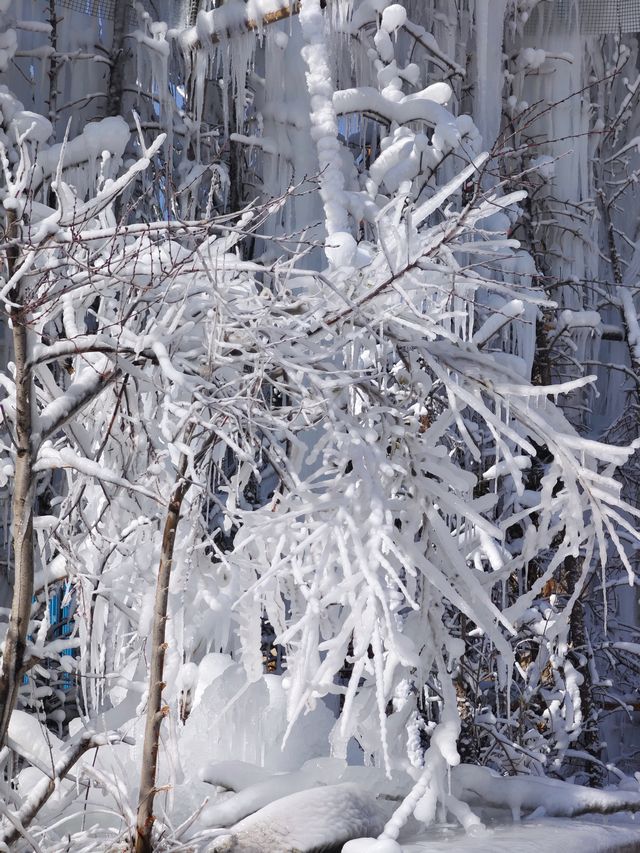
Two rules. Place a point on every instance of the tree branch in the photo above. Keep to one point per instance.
(43, 790)
(221, 22)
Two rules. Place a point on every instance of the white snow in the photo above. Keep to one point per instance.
(109, 134)
(306, 821)
(553, 835)
(425, 106)
(489, 68)
(480, 785)
(393, 17)
(383, 288)
(31, 739)
(324, 129)
(254, 797)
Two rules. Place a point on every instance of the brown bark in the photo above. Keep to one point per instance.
(53, 70)
(254, 24)
(155, 710)
(118, 58)
(22, 507)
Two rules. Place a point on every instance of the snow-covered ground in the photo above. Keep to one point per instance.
(298, 811)
(547, 835)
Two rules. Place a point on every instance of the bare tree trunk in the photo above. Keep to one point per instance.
(627, 307)
(118, 58)
(155, 711)
(53, 70)
(590, 736)
(22, 507)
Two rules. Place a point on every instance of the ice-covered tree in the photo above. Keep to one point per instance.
(277, 373)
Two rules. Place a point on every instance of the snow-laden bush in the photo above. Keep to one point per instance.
(337, 442)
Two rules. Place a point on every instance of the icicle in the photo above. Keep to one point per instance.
(242, 49)
(489, 18)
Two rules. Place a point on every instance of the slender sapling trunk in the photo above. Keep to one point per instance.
(22, 506)
(155, 710)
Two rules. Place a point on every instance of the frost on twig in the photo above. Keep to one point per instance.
(43, 790)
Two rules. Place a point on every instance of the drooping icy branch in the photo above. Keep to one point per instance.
(237, 17)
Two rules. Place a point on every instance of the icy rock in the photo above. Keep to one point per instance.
(314, 820)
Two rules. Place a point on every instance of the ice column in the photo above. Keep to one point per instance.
(340, 245)
(489, 16)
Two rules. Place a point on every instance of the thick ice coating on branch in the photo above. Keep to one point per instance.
(324, 130)
(480, 785)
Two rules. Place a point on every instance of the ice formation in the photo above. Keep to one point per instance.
(307, 821)
(345, 377)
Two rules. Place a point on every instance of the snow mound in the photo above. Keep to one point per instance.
(306, 822)
(234, 775)
(255, 797)
(480, 785)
